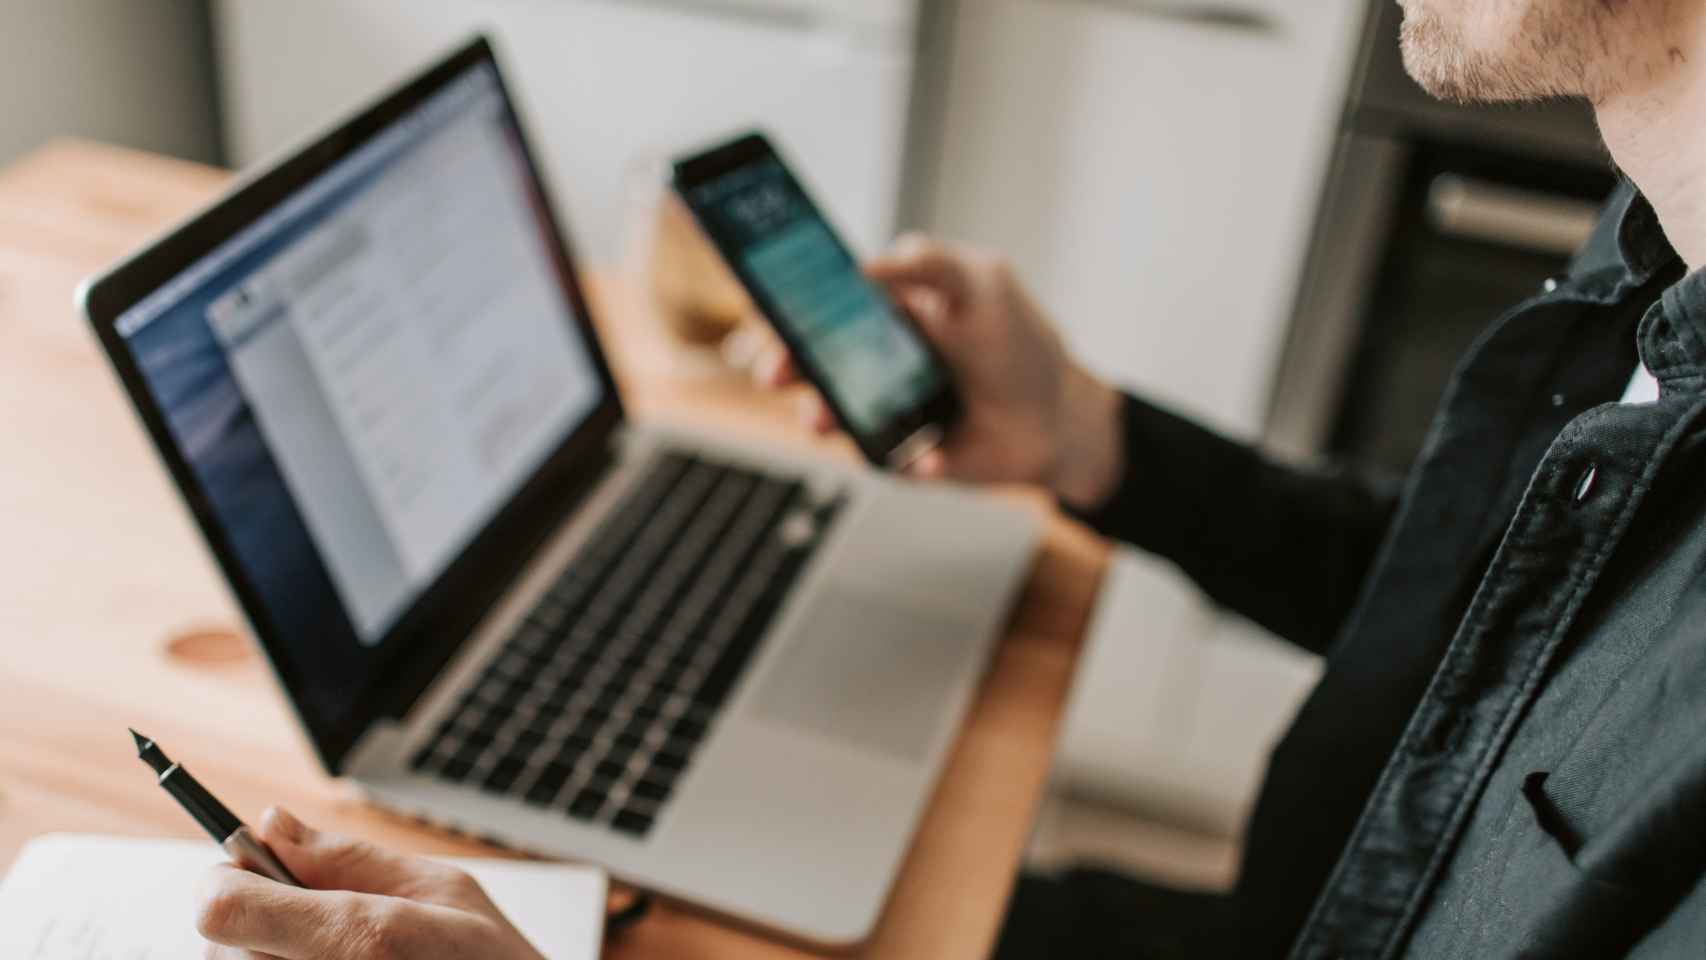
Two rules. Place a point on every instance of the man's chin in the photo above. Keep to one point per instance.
(1438, 64)
(1439, 84)
(1449, 67)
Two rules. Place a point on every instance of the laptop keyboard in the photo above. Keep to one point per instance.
(598, 702)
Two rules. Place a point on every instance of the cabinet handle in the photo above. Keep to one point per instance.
(860, 23)
(1478, 210)
(788, 14)
(1208, 13)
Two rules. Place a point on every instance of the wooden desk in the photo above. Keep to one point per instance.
(99, 566)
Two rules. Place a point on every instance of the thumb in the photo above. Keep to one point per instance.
(930, 312)
(326, 861)
(933, 465)
(917, 261)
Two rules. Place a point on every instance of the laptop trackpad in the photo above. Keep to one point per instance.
(867, 671)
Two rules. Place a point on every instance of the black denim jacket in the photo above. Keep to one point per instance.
(1506, 755)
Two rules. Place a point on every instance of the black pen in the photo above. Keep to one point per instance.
(235, 838)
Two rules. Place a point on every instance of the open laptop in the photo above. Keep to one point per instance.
(728, 673)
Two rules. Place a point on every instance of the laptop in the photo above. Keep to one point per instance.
(729, 673)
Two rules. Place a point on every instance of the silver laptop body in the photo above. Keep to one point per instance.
(802, 802)
(729, 673)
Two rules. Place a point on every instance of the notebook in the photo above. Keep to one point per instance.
(108, 898)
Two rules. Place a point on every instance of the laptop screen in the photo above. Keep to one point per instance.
(363, 377)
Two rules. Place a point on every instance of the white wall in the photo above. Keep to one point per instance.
(129, 72)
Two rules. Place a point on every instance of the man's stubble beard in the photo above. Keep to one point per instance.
(1546, 55)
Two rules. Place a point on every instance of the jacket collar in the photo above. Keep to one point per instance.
(1629, 251)
(1625, 251)
(1672, 336)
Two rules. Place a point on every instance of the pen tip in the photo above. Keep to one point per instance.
(142, 742)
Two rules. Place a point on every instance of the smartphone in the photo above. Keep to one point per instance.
(884, 382)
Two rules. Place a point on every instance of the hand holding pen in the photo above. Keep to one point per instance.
(355, 901)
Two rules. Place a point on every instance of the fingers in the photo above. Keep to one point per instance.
(245, 912)
(929, 310)
(917, 260)
(217, 952)
(932, 465)
(762, 354)
(777, 372)
(814, 413)
(326, 861)
(774, 368)
(248, 915)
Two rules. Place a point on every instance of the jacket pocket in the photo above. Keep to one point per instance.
(1549, 816)
(1620, 882)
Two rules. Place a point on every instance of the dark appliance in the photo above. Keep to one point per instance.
(1435, 219)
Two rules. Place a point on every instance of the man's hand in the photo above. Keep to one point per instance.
(363, 903)
(1030, 414)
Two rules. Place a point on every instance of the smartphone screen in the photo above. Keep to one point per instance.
(879, 375)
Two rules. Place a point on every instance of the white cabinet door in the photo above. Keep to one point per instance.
(606, 86)
(1154, 179)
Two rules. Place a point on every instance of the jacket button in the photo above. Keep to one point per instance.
(1584, 484)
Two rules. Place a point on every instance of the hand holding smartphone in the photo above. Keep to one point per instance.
(881, 378)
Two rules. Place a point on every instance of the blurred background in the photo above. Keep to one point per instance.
(1241, 208)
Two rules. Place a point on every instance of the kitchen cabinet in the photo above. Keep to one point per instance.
(610, 88)
(1153, 172)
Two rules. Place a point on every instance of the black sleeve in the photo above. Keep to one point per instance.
(1287, 547)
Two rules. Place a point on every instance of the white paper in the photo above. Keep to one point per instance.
(108, 898)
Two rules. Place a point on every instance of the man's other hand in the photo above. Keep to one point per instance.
(362, 903)
(1030, 413)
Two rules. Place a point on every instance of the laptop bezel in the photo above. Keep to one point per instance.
(444, 615)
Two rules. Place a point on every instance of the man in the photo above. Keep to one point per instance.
(1505, 755)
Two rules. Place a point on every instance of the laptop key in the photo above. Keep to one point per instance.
(632, 822)
(549, 784)
(586, 805)
(677, 747)
(527, 740)
(688, 729)
(653, 790)
(503, 774)
(573, 745)
(668, 764)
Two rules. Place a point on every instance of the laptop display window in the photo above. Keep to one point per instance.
(362, 378)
